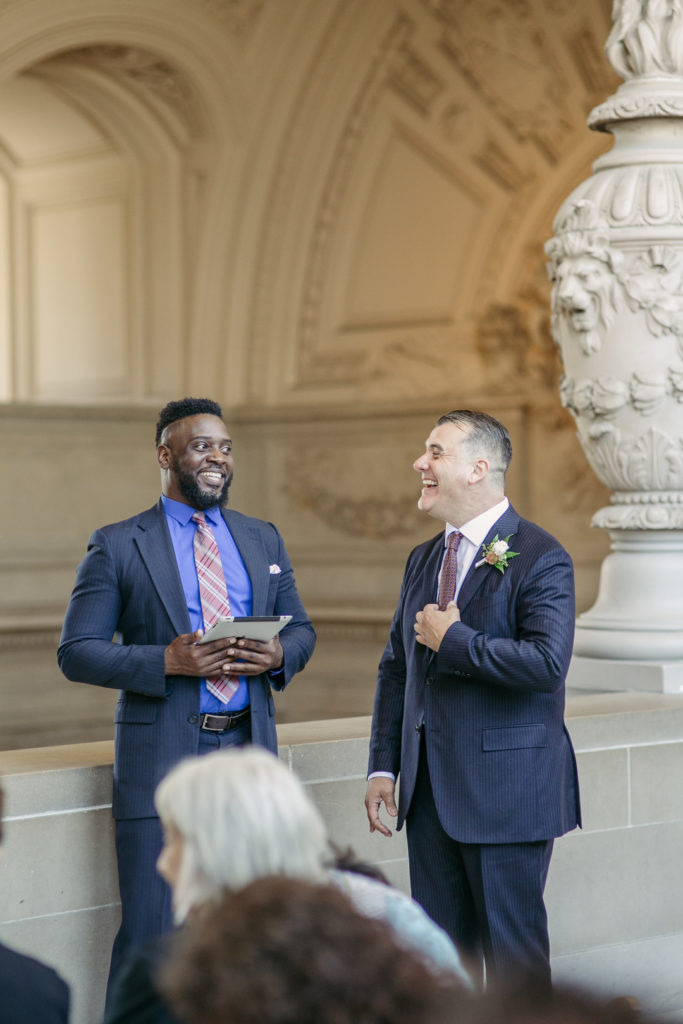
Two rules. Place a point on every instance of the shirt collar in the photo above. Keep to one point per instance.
(475, 530)
(183, 513)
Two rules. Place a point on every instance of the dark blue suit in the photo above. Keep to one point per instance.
(129, 584)
(477, 731)
(30, 991)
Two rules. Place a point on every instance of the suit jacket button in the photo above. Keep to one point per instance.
(430, 680)
(193, 719)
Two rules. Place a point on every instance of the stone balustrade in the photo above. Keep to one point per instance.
(615, 899)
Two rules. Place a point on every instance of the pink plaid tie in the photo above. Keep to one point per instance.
(449, 571)
(213, 593)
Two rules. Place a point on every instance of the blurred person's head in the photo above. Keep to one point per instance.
(286, 951)
(531, 1001)
(231, 817)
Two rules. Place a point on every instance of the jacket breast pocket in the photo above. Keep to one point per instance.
(515, 737)
(135, 712)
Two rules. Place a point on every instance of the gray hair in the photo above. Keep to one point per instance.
(242, 815)
(487, 436)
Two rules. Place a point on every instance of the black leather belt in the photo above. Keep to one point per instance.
(221, 723)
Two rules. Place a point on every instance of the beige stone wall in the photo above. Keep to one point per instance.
(615, 905)
(328, 214)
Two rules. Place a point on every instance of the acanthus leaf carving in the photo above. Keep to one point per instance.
(646, 38)
(652, 461)
(676, 378)
(654, 284)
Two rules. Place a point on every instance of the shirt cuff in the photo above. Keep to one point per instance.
(381, 775)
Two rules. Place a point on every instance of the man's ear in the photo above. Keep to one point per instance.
(479, 470)
(164, 456)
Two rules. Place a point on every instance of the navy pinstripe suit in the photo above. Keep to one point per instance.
(477, 731)
(128, 583)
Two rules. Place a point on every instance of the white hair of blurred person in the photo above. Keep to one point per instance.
(240, 815)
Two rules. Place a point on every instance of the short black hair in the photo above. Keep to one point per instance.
(185, 407)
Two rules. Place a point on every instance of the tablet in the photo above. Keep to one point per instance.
(253, 627)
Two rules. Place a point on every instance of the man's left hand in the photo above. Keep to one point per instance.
(431, 625)
(253, 657)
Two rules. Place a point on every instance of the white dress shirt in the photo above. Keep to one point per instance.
(473, 536)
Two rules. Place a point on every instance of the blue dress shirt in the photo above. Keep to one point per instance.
(182, 530)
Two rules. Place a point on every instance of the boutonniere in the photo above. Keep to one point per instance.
(497, 553)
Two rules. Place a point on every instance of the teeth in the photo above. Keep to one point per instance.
(212, 476)
(429, 483)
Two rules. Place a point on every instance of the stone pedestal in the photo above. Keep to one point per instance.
(638, 613)
(601, 674)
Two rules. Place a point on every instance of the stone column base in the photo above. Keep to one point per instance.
(600, 674)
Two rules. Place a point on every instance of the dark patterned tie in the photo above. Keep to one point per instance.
(213, 593)
(449, 571)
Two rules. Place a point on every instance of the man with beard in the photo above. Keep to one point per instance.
(133, 623)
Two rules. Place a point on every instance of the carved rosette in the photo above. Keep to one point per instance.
(616, 263)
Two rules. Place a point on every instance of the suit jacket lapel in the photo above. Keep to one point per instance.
(156, 550)
(507, 524)
(250, 546)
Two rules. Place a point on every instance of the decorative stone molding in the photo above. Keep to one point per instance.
(605, 396)
(415, 80)
(483, 36)
(145, 72)
(19, 640)
(341, 367)
(240, 16)
(650, 462)
(586, 288)
(376, 520)
(646, 38)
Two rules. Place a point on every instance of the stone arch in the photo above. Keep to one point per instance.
(161, 90)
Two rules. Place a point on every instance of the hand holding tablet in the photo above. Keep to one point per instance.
(252, 627)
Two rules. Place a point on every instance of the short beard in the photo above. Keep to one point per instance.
(189, 488)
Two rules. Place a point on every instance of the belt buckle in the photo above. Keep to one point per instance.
(210, 728)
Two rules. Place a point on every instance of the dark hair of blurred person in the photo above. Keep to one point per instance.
(30, 991)
(531, 1001)
(286, 951)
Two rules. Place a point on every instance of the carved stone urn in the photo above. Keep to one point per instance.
(616, 262)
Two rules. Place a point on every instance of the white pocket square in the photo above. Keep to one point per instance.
(274, 569)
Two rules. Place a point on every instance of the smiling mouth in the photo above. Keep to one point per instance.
(213, 478)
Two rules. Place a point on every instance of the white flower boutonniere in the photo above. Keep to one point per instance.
(497, 553)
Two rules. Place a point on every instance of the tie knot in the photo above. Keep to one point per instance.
(454, 540)
(199, 518)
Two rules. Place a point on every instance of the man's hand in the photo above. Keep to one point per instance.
(184, 656)
(252, 657)
(380, 791)
(431, 625)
